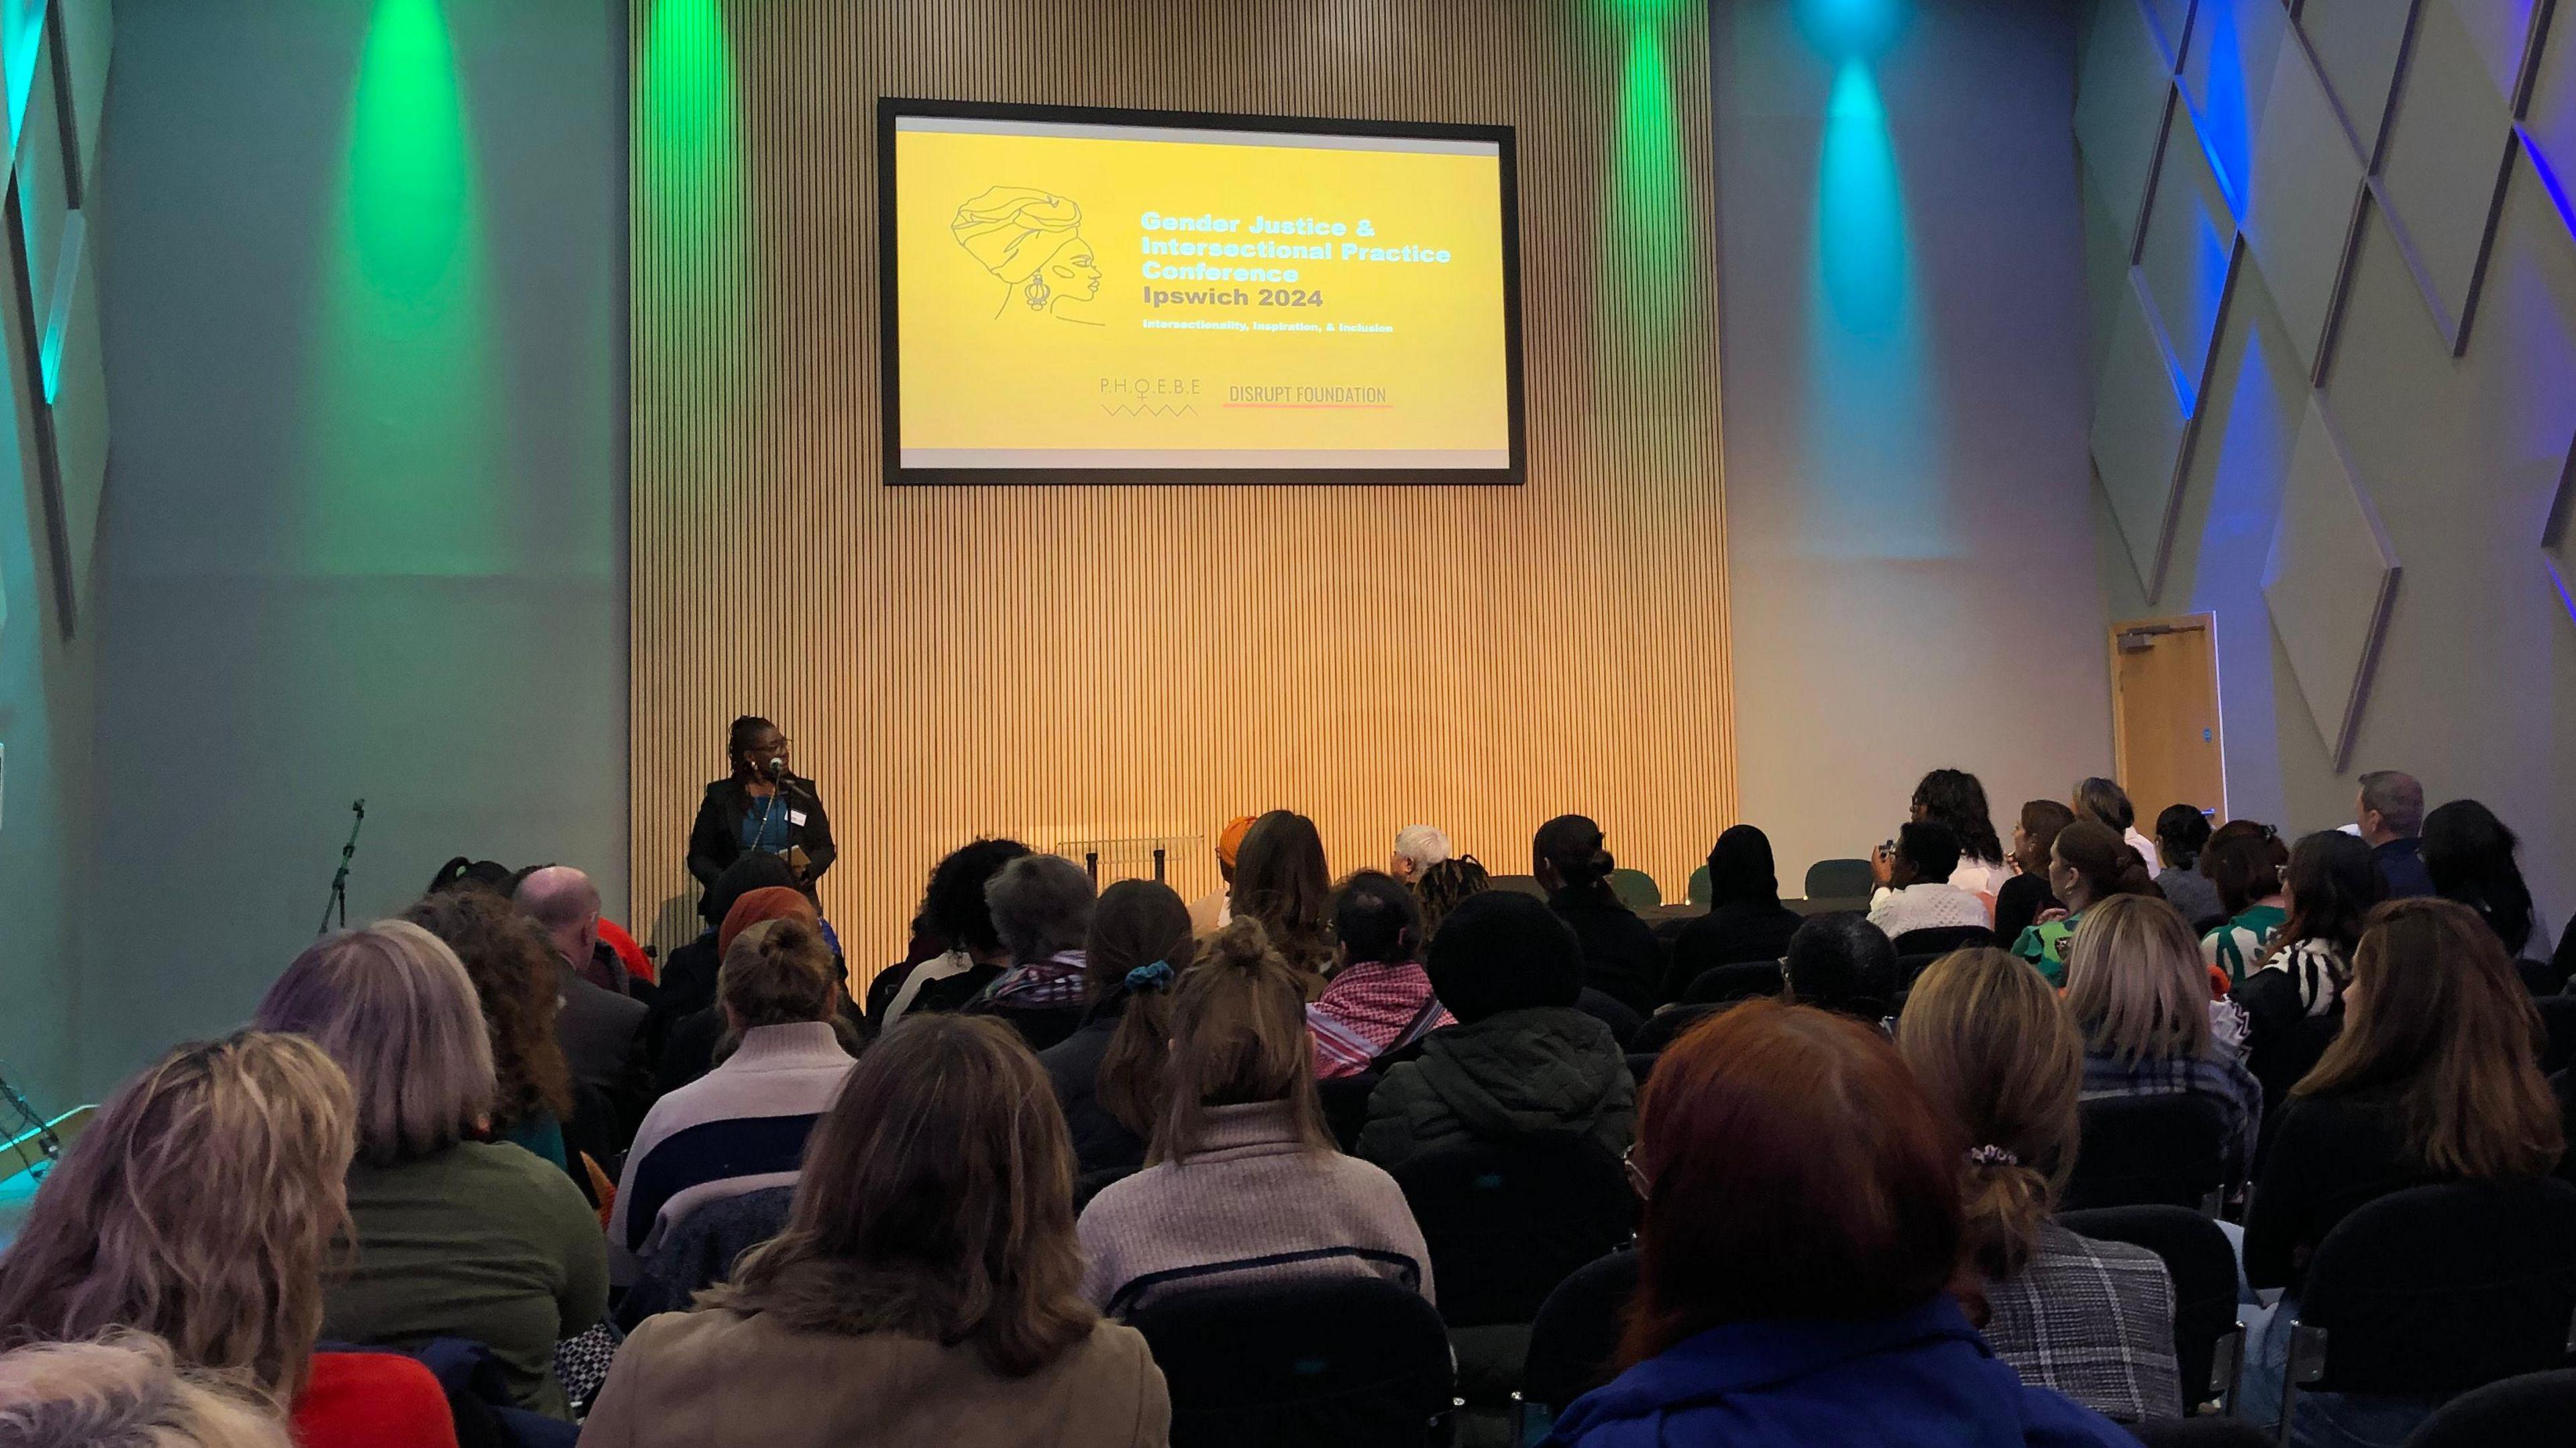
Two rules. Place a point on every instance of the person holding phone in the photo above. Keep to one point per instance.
(760, 806)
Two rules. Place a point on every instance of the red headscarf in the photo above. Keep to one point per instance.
(774, 902)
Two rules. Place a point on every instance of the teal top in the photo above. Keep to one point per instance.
(2237, 947)
(2044, 945)
(542, 1135)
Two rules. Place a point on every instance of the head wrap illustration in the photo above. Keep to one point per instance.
(1032, 240)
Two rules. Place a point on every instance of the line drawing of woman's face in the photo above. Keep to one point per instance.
(1073, 271)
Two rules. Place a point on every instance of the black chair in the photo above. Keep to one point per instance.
(1940, 941)
(1840, 880)
(1346, 1360)
(2199, 1433)
(1519, 884)
(1910, 968)
(2558, 1014)
(1507, 1222)
(2208, 1340)
(2141, 1150)
(1577, 1331)
(2436, 1290)
(1667, 1025)
(698, 1250)
(1720, 984)
(2539, 977)
(2536, 1410)
(1345, 1101)
(1641, 1064)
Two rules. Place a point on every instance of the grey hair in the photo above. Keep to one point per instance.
(126, 1390)
(1424, 845)
(392, 1005)
(2397, 797)
(559, 897)
(1041, 904)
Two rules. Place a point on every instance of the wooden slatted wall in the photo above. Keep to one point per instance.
(1062, 664)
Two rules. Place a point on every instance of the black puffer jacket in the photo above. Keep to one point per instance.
(1547, 1074)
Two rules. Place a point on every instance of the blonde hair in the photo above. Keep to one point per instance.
(2135, 982)
(1992, 1045)
(1238, 1036)
(126, 1391)
(394, 1007)
(936, 1203)
(778, 973)
(199, 1206)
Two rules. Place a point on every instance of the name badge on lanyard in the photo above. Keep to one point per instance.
(796, 817)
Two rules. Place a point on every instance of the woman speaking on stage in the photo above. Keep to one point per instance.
(762, 807)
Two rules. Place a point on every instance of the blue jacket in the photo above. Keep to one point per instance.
(1922, 1377)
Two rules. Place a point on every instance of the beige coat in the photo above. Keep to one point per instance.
(712, 1379)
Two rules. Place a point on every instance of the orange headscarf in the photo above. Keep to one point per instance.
(1230, 843)
(774, 902)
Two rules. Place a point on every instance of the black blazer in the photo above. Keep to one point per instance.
(715, 841)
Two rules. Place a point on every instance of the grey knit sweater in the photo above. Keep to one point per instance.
(1252, 1204)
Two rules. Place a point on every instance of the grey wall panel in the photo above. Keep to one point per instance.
(2443, 167)
(2358, 45)
(2298, 221)
(2138, 428)
(2121, 93)
(2185, 249)
(2329, 581)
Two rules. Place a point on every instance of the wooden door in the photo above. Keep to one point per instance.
(2164, 716)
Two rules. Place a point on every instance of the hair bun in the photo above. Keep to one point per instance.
(1241, 942)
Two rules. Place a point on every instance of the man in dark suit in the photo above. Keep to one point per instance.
(601, 1030)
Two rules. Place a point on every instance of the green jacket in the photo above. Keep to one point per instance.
(1545, 1074)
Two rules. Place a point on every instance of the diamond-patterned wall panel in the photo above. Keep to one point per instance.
(2550, 118)
(2172, 20)
(2329, 581)
(2225, 76)
(2138, 429)
(2443, 170)
(2558, 539)
(2184, 251)
(2298, 218)
(2499, 31)
(2358, 44)
(2119, 106)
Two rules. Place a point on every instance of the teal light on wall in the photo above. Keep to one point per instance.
(1873, 423)
(691, 202)
(403, 471)
(1646, 286)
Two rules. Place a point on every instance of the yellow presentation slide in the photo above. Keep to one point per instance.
(1101, 296)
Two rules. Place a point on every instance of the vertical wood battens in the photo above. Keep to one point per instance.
(1065, 664)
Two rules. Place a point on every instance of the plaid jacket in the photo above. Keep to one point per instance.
(1040, 985)
(1369, 1009)
(2094, 1320)
(2220, 1075)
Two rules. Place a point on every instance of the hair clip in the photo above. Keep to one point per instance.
(1992, 1156)
(1152, 976)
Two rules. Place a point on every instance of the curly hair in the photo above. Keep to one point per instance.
(512, 965)
(952, 904)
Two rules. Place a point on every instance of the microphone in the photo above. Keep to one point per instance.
(776, 769)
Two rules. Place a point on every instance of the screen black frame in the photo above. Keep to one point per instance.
(890, 368)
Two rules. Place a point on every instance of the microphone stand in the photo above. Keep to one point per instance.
(339, 900)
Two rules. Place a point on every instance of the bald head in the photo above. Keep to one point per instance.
(2391, 807)
(562, 900)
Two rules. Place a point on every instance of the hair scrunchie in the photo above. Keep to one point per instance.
(1155, 975)
(1992, 1156)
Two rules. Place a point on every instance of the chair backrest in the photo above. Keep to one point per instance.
(2438, 1289)
(1345, 1360)
(2536, 1410)
(1507, 1222)
(1699, 891)
(2199, 1433)
(1910, 967)
(1577, 1330)
(1636, 889)
(1741, 981)
(1641, 1064)
(2138, 1150)
(2558, 1013)
(699, 1250)
(1345, 1101)
(1839, 880)
(1521, 884)
(2202, 1264)
(1940, 940)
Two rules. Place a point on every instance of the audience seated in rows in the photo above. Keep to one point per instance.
(1417, 848)
(956, 920)
(128, 1390)
(691, 1052)
(1914, 892)
(1244, 1183)
(2469, 857)
(1281, 880)
(743, 1125)
(2244, 862)
(2433, 1079)
(1621, 956)
(2327, 889)
(2088, 863)
(515, 974)
(1380, 999)
(1840, 962)
(2182, 832)
(1524, 1064)
(1956, 800)
(689, 976)
(200, 1208)
(927, 1288)
(2024, 899)
(2389, 815)
(1801, 1237)
(1042, 910)
(2139, 995)
(602, 1030)
(2105, 803)
(1993, 1046)
(1745, 919)
(453, 1236)
(1441, 888)
(1108, 1074)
